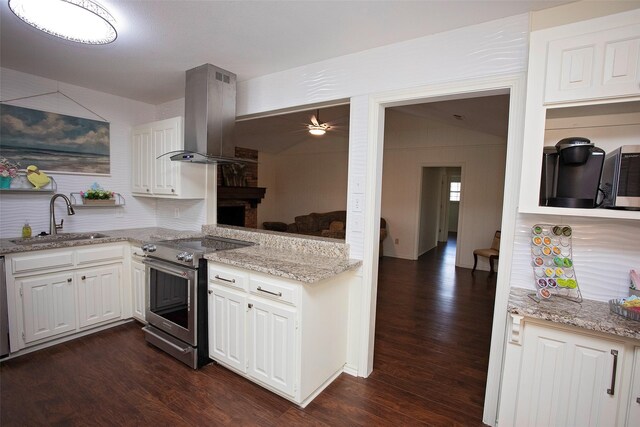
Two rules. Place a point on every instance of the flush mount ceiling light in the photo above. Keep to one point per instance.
(82, 21)
(317, 127)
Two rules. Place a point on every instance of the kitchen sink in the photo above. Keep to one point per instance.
(62, 237)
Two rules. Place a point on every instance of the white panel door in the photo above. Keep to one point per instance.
(227, 334)
(141, 161)
(633, 414)
(98, 295)
(48, 306)
(166, 137)
(138, 282)
(566, 379)
(272, 344)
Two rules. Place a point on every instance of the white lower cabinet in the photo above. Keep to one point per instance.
(633, 403)
(256, 329)
(272, 341)
(59, 292)
(138, 283)
(98, 295)
(48, 305)
(555, 376)
(227, 314)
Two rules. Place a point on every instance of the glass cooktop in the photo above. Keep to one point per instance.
(205, 244)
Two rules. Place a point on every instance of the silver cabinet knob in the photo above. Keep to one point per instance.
(69, 280)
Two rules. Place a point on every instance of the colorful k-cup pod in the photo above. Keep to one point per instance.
(544, 293)
(567, 263)
(552, 283)
(549, 272)
(546, 250)
(537, 229)
(537, 240)
(566, 231)
(546, 240)
(556, 250)
(558, 261)
(542, 283)
(538, 261)
(559, 272)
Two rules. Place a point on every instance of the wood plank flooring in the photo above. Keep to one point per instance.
(432, 346)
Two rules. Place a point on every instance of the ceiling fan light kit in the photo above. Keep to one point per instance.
(317, 127)
(81, 21)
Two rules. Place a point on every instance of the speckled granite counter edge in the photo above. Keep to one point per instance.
(590, 315)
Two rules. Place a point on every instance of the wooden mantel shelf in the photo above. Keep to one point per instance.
(252, 195)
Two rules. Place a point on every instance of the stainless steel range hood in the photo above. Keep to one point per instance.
(209, 117)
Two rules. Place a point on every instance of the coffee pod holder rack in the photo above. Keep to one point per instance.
(552, 262)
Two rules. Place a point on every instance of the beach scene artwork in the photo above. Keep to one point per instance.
(54, 142)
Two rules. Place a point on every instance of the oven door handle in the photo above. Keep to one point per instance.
(169, 268)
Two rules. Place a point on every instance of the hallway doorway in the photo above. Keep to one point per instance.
(433, 332)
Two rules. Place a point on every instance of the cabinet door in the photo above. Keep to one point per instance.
(602, 64)
(141, 161)
(98, 295)
(633, 414)
(166, 137)
(48, 306)
(227, 334)
(271, 344)
(566, 379)
(138, 282)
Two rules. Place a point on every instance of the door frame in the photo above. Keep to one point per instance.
(515, 85)
(462, 166)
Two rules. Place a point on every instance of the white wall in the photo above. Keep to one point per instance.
(429, 209)
(122, 114)
(308, 177)
(412, 143)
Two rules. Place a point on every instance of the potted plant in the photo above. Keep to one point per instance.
(97, 196)
(8, 171)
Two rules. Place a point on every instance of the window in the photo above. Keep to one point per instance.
(454, 191)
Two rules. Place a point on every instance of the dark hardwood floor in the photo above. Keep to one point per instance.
(432, 346)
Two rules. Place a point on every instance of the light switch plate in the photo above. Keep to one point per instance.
(357, 203)
(357, 223)
(358, 184)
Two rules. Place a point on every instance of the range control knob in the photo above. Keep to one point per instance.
(151, 248)
(181, 256)
(145, 248)
(188, 257)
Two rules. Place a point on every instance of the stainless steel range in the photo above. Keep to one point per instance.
(176, 295)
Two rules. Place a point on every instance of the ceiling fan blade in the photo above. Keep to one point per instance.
(314, 121)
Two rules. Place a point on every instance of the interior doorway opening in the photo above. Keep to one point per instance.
(442, 193)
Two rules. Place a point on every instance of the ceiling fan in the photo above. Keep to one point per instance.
(317, 127)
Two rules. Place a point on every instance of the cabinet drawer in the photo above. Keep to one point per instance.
(275, 290)
(41, 261)
(105, 253)
(228, 277)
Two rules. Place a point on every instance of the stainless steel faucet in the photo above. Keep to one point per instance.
(53, 227)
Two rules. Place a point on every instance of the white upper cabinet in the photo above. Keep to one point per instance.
(583, 80)
(154, 174)
(597, 65)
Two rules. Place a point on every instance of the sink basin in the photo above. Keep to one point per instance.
(62, 237)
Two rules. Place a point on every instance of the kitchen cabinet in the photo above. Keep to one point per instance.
(583, 80)
(98, 295)
(227, 314)
(633, 402)
(287, 336)
(564, 376)
(48, 305)
(138, 283)
(153, 173)
(56, 293)
(595, 65)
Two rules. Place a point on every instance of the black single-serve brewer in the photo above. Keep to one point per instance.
(571, 174)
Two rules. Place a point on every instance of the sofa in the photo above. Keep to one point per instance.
(327, 224)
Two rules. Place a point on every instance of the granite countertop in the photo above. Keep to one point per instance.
(589, 314)
(307, 260)
(303, 267)
(133, 235)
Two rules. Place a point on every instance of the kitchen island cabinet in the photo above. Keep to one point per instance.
(287, 336)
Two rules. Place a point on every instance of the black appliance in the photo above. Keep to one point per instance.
(571, 174)
(621, 178)
(176, 295)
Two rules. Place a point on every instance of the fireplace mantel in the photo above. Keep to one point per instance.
(251, 195)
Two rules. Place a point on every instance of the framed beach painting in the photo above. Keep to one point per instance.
(54, 142)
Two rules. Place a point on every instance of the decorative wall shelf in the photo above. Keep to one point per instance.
(21, 184)
(77, 201)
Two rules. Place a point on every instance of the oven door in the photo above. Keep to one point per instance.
(171, 299)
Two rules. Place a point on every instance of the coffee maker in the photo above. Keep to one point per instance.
(571, 174)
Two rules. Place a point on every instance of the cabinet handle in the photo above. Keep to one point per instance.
(147, 190)
(173, 190)
(638, 400)
(278, 294)
(225, 280)
(68, 280)
(84, 277)
(251, 306)
(612, 390)
(210, 291)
